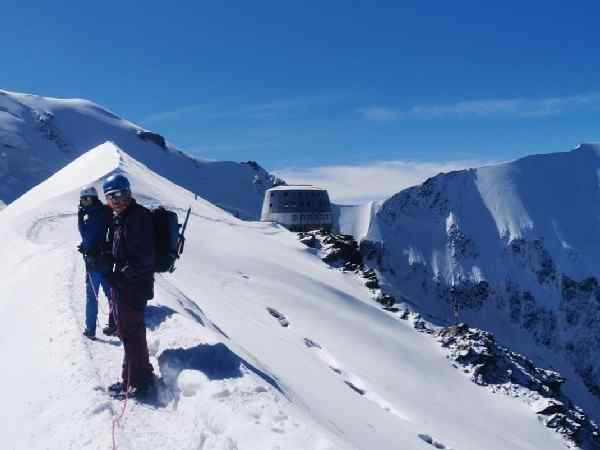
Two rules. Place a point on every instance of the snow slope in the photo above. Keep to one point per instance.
(40, 135)
(342, 374)
(515, 247)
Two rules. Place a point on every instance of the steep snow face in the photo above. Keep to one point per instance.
(39, 135)
(354, 219)
(261, 344)
(514, 248)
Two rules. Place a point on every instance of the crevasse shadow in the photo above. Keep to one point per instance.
(216, 361)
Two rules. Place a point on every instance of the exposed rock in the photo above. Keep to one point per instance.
(263, 180)
(372, 251)
(342, 251)
(459, 245)
(504, 371)
(533, 255)
(310, 240)
(152, 137)
(386, 300)
(465, 295)
(47, 127)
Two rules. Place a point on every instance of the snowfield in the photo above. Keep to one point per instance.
(343, 374)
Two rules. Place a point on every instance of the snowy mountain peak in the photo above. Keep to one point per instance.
(39, 136)
(510, 248)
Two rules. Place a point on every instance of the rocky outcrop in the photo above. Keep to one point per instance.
(503, 371)
(150, 136)
(342, 251)
(517, 277)
(49, 130)
(263, 180)
(532, 256)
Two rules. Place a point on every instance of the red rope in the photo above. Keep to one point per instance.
(118, 419)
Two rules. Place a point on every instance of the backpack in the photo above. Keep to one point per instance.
(168, 241)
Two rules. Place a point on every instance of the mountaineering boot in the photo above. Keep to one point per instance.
(109, 330)
(90, 334)
(144, 389)
(140, 392)
(116, 388)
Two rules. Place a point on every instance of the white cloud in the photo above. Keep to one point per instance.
(374, 181)
(238, 109)
(521, 107)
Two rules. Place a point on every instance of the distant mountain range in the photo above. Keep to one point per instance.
(39, 136)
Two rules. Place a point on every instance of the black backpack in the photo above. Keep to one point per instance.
(168, 240)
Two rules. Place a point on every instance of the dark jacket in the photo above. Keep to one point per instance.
(132, 234)
(93, 222)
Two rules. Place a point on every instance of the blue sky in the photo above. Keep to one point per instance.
(311, 88)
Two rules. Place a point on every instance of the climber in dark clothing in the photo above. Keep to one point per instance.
(94, 219)
(132, 235)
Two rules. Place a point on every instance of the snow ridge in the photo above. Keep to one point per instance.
(39, 136)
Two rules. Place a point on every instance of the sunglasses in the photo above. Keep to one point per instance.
(87, 199)
(116, 195)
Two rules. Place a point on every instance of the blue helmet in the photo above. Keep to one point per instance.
(115, 183)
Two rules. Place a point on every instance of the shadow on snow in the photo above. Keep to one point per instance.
(216, 361)
(155, 315)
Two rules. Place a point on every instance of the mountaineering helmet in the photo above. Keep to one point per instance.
(88, 191)
(115, 183)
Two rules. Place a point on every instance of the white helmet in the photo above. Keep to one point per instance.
(88, 191)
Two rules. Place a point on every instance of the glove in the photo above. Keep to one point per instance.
(80, 249)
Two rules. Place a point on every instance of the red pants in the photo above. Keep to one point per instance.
(137, 370)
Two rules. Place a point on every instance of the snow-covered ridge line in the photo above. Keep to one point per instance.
(39, 136)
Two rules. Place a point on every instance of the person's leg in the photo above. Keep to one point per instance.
(91, 302)
(137, 369)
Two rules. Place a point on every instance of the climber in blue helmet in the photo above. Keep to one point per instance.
(132, 278)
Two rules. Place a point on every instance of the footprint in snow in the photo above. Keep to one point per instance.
(310, 344)
(351, 380)
(280, 317)
(433, 442)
